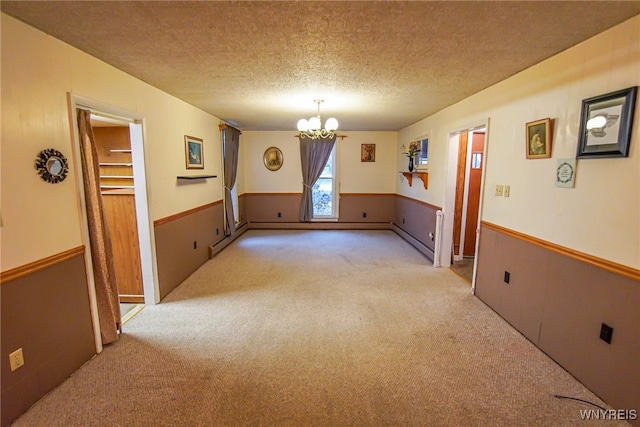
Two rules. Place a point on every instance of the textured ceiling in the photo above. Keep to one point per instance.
(378, 65)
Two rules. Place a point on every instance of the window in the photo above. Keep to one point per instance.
(325, 195)
(423, 156)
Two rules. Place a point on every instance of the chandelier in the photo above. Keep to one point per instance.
(313, 129)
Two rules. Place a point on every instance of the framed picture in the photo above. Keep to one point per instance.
(272, 158)
(193, 152)
(605, 124)
(539, 138)
(368, 152)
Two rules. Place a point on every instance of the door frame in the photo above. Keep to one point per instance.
(145, 231)
(450, 192)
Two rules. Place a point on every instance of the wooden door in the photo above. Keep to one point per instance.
(120, 214)
(473, 194)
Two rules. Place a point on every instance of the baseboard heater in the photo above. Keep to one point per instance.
(421, 247)
(218, 246)
(438, 238)
(320, 225)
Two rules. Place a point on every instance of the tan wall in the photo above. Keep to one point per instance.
(175, 239)
(600, 215)
(38, 72)
(47, 314)
(354, 176)
(40, 220)
(559, 303)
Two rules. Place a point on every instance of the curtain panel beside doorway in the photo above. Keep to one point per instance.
(101, 253)
(231, 146)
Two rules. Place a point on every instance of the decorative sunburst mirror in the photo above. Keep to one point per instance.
(52, 166)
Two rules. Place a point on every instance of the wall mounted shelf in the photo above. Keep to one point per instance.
(197, 176)
(424, 177)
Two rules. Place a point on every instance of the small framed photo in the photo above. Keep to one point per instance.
(539, 136)
(193, 152)
(368, 152)
(605, 124)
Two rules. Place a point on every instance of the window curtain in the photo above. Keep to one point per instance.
(231, 144)
(314, 154)
(103, 270)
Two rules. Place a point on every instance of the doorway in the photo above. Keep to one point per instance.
(117, 190)
(465, 223)
(130, 178)
(463, 199)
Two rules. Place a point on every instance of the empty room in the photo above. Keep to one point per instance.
(320, 213)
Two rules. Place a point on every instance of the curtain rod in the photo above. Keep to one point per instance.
(226, 125)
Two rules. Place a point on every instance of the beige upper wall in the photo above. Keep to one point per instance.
(601, 215)
(354, 176)
(41, 219)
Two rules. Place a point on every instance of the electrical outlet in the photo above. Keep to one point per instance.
(507, 277)
(499, 190)
(606, 333)
(16, 359)
(507, 191)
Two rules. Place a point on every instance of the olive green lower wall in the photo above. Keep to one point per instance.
(559, 303)
(356, 210)
(183, 241)
(47, 314)
(415, 221)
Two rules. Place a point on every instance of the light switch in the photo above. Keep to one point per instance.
(507, 191)
(499, 189)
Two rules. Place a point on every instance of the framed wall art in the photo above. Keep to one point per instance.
(566, 173)
(273, 158)
(539, 136)
(368, 152)
(605, 124)
(193, 152)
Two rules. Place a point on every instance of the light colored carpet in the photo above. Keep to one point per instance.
(318, 328)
